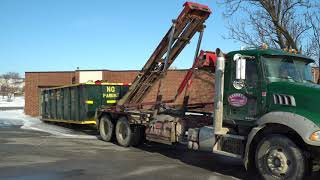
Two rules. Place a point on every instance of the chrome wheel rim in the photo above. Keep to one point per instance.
(278, 161)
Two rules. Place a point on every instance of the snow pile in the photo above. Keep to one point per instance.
(18, 118)
(16, 102)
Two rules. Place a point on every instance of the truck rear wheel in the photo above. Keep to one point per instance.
(124, 133)
(106, 128)
(277, 157)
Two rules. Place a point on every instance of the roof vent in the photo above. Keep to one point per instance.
(283, 99)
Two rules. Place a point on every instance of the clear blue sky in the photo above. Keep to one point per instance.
(58, 35)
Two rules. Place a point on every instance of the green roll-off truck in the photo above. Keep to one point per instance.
(266, 106)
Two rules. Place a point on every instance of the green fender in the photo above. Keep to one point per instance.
(303, 126)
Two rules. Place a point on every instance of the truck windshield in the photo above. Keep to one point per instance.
(287, 68)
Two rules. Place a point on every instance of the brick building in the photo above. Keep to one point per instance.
(201, 90)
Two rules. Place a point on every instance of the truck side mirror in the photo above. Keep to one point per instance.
(240, 67)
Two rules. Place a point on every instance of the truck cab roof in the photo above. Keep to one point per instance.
(271, 52)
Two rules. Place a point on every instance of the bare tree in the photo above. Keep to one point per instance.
(279, 23)
(314, 42)
(10, 84)
(10, 75)
(314, 36)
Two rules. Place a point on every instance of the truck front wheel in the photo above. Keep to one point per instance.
(277, 157)
(106, 128)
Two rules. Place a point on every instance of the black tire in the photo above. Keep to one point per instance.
(106, 128)
(124, 133)
(278, 157)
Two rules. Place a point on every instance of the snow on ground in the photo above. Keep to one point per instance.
(18, 118)
(16, 102)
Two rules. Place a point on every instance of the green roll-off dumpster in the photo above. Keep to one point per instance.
(77, 103)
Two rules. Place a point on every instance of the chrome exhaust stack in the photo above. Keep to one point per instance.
(204, 138)
(218, 98)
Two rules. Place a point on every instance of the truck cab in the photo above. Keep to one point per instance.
(265, 105)
(270, 112)
(273, 80)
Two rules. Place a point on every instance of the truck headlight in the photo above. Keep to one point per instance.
(315, 136)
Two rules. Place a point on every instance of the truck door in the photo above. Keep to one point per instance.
(242, 101)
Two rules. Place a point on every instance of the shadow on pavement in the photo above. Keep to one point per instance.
(216, 163)
(213, 162)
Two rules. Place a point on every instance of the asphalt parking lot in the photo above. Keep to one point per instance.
(33, 155)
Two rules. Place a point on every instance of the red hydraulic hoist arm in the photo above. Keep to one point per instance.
(206, 60)
(190, 21)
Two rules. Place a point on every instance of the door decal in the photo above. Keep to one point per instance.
(237, 100)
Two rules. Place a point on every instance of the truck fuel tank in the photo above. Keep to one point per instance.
(201, 139)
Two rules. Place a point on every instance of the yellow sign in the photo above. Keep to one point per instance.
(111, 101)
(89, 102)
(111, 89)
(110, 95)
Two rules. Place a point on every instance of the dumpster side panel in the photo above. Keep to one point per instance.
(82, 104)
(52, 108)
(59, 103)
(73, 103)
(78, 103)
(41, 104)
(47, 103)
(93, 99)
(54, 104)
(75, 95)
(124, 90)
(66, 103)
(44, 103)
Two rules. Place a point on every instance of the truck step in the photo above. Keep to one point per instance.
(234, 136)
(227, 154)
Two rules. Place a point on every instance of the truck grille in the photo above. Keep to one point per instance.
(283, 99)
